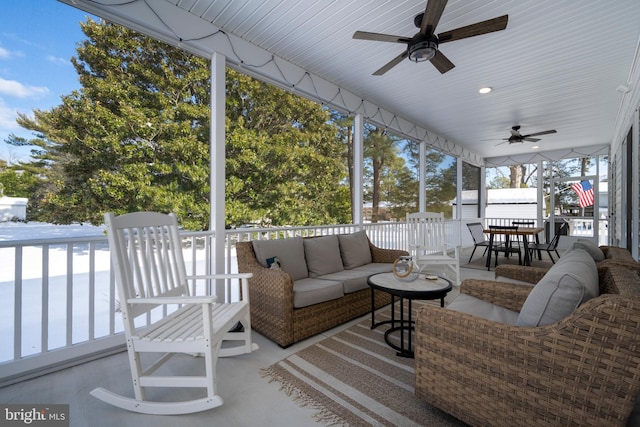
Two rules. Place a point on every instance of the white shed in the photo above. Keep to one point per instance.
(13, 207)
(501, 203)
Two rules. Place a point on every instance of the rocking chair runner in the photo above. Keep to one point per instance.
(152, 282)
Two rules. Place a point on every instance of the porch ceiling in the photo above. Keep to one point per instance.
(557, 65)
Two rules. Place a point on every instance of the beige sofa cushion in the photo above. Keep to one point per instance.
(354, 249)
(352, 280)
(311, 291)
(322, 255)
(290, 252)
(374, 268)
(570, 282)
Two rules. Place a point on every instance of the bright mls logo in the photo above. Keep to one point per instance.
(35, 415)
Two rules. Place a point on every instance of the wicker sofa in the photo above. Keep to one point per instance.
(581, 370)
(321, 283)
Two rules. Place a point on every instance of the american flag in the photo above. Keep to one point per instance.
(584, 190)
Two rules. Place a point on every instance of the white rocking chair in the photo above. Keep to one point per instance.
(428, 244)
(152, 287)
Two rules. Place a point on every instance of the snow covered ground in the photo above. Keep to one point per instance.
(60, 290)
(40, 230)
(32, 255)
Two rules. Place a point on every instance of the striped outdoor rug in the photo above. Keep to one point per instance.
(354, 378)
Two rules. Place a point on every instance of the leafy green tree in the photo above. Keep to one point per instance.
(440, 182)
(382, 164)
(136, 137)
(17, 183)
(284, 158)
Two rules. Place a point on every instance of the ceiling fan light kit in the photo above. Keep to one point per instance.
(423, 50)
(423, 46)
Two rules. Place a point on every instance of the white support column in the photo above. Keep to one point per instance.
(458, 213)
(422, 176)
(358, 168)
(482, 194)
(217, 166)
(541, 203)
(635, 188)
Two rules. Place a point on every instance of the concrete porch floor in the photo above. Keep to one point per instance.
(249, 399)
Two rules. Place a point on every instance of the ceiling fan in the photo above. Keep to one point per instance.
(517, 137)
(423, 46)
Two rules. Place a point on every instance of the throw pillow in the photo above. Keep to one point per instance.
(591, 248)
(290, 253)
(323, 255)
(274, 263)
(570, 282)
(354, 249)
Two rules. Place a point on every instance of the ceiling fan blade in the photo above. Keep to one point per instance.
(500, 143)
(365, 35)
(525, 138)
(441, 62)
(389, 65)
(432, 15)
(546, 132)
(479, 28)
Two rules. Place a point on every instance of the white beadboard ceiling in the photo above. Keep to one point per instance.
(557, 65)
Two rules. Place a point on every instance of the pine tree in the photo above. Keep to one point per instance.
(136, 137)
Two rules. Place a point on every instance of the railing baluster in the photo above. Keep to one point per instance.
(92, 290)
(45, 299)
(69, 316)
(17, 305)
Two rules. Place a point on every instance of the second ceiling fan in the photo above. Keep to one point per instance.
(423, 46)
(516, 137)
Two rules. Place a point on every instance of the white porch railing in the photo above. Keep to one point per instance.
(58, 303)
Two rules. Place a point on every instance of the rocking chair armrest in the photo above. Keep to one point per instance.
(243, 279)
(174, 300)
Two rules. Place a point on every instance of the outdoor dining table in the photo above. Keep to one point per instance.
(521, 231)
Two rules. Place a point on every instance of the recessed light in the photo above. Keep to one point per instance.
(535, 147)
(485, 89)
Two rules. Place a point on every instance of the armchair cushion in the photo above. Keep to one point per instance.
(290, 253)
(570, 282)
(354, 249)
(471, 305)
(323, 255)
(591, 248)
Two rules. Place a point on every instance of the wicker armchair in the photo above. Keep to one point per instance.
(583, 370)
(613, 256)
(271, 293)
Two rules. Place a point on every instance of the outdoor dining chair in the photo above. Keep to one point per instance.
(519, 240)
(477, 234)
(505, 246)
(551, 246)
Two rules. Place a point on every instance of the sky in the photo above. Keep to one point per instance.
(37, 40)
